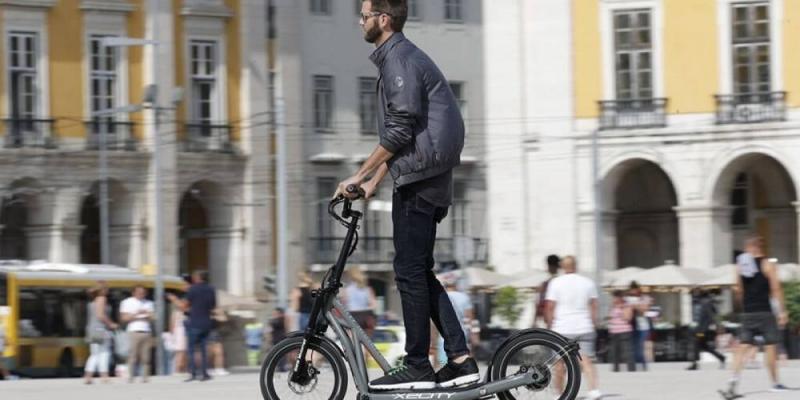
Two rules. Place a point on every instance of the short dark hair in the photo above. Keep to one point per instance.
(202, 275)
(396, 9)
(552, 264)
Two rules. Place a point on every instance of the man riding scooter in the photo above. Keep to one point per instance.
(421, 137)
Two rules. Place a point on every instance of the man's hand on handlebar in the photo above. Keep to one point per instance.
(342, 188)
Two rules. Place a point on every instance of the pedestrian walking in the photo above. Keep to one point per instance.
(138, 312)
(704, 312)
(462, 305)
(301, 300)
(552, 268)
(640, 304)
(620, 332)
(360, 300)
(757, 284)
(200, 301)
(99, 327)
(572, 312)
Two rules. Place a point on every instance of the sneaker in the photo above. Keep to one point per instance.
(595, 394)
(729, 394)
(778, 388)
(453, 374)
(406, 377)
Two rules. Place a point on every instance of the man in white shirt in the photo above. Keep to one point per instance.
(572, 311)
(137, 312)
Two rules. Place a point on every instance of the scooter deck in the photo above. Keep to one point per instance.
(433, 390)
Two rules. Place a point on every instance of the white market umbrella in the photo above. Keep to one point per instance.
(788, 272)
(528, 280)
(483, 278)
(671, 275)
(620, 277)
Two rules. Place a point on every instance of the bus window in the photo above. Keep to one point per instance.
(48, 312)
(3, 291)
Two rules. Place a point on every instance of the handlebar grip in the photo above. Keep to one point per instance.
(355, 189)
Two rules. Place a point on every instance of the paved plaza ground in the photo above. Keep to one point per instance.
(666, 381)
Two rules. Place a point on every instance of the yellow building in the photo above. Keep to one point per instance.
(56, 72)
(694, 105)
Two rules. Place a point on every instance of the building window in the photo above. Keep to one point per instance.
(367, 105)
(751, 48)
(323, 102)
(22, 55)
(414, 10)
(326, 186)
(321, 7)
(203, 61)
(453, 11)
(633, 48)
(460, 209)
(739, 202)
(103, 75)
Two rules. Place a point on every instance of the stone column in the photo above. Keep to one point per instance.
(54, 243)
(796, 205)
(127, 245)
(225, 264)
(608, 241)
(705, 236)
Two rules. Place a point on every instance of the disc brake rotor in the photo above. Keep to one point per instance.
(308, 387)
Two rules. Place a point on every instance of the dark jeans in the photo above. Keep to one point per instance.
(620, 350)
(423, 297)
(197, 341)
(639, 337)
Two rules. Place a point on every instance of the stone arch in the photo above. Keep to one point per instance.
(121, 211)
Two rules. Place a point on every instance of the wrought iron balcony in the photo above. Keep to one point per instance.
(633, 113)
(747, 108)
(119, 134)
(380, 250)
(206, 137)
(29, 132)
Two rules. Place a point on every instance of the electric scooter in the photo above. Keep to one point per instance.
(530, 364)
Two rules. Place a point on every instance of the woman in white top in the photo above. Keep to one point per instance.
(98, 333)
(360, 300)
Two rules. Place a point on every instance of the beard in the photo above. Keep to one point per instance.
(372, 34)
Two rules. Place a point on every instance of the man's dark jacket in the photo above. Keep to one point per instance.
(420, 120)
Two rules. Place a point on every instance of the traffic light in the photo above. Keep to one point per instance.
(270, 284)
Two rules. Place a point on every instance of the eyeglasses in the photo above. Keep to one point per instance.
(365, 17)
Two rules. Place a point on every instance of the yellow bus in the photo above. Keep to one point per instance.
(43, 313)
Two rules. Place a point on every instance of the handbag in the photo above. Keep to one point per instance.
(121, 344)
(97, 335)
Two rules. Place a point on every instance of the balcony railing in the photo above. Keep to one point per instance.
(380, 250)
(749, 108)
(205, 137)
(29, 132)
(633, 113)
(119, 135)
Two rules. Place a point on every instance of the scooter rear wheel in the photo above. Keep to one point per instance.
(558, 371)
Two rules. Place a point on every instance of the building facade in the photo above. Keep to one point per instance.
(694, 106)
(212, 148)
(326, 96)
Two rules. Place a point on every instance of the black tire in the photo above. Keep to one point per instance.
(548, 346)
(276, 359)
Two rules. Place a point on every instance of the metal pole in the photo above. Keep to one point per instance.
(159, 234)
(104, 223)
(281, 196)
(598, 213)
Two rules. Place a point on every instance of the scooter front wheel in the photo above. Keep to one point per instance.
(324, 375)
(556, 370)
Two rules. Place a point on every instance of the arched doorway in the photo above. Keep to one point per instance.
(645, 223)
(120, 216)
(13, 220)
(19, 211)
(193, 222)
(761, 197)
(208, 240)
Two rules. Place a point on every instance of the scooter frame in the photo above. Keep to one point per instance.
(322, 316)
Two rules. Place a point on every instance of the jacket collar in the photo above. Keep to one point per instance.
(380, 53)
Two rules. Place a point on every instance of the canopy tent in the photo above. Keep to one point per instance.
(672, 275)
(527, 280)
(620, 277)
(481, 278)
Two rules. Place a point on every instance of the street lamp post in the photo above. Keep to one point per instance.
(150, 103)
